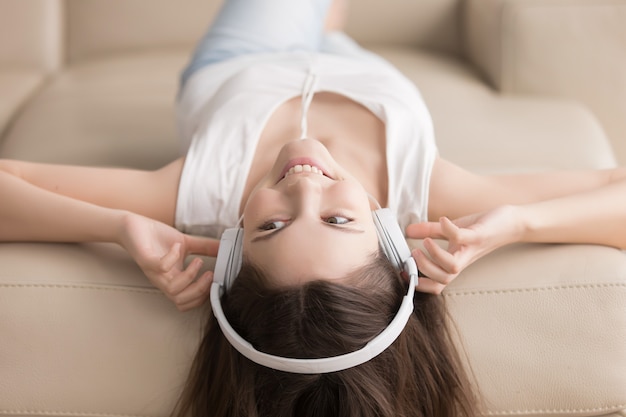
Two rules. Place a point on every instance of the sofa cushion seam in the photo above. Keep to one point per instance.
(617, 407)
(83, 287)
(461, 293)
(66, 413)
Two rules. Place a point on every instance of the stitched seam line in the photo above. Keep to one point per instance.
(616, 408)
(564, 4)
(532, 290)
(66, 413)
(84, 287)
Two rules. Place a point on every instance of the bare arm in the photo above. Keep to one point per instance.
(492, 211)
(596, 216)
(135, 209)
(586, 206)
(30, 213)
(149, 193)
(455, 192)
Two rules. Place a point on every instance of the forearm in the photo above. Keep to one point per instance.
(30, 213)
(596, 216)
(455, 192)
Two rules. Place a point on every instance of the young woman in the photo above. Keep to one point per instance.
(314, 283)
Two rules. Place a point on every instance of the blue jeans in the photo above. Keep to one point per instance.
(262, 26)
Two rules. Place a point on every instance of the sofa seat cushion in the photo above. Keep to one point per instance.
(542, 326)
(485, 131)
(106, 111)
(120, 111)
(85, 334)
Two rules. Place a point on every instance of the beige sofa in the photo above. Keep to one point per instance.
(512, 85)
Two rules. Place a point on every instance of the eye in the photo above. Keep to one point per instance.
(273, 225)
(337, 220)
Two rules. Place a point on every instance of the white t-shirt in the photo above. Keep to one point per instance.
(224, 108)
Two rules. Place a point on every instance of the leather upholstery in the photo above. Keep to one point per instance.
(162, 23)
(32, 34)
(485, 131)
(84, 333)
(114, 111)
(513, 42)
(16, 86)
(542, 322)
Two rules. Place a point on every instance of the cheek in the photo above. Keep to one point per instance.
(261, 201)
(352, 193)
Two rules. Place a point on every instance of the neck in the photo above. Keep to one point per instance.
(354, 136)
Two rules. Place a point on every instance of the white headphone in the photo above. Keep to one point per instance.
(228, 265)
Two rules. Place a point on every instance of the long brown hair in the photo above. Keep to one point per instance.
(419, 375)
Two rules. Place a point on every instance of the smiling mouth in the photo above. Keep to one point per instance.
(299, 166)
(297, 169)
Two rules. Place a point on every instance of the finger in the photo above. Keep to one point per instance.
(185, 278)
(431, 269)
(429, 286)
(424, 230)
(202, 245)
(444, 259)
(198, 301)
(169, 260)
(454, 233)
(196, 293)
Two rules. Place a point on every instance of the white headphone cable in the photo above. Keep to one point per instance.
(308, 91)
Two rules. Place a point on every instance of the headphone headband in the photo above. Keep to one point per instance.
(228, 265)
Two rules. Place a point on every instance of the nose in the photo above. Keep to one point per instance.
(305, 191)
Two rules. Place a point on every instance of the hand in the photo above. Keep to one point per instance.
(160, 252)
(469, 238)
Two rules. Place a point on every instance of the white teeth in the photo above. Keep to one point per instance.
(304, 168)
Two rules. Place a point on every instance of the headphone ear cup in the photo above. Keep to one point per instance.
(229, 257)
(391, 238)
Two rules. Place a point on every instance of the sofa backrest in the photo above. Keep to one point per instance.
(31, 34)
(49, 33)
(98, 27)
(431, 24)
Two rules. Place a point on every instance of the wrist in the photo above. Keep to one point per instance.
(120, 225)
(525, 223)
(517, 224)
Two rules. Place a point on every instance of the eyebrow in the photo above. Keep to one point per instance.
(345, 229)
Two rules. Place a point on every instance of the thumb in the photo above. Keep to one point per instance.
(202, 245)
(424, 230)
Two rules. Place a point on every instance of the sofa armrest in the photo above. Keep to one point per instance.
(567, 48)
